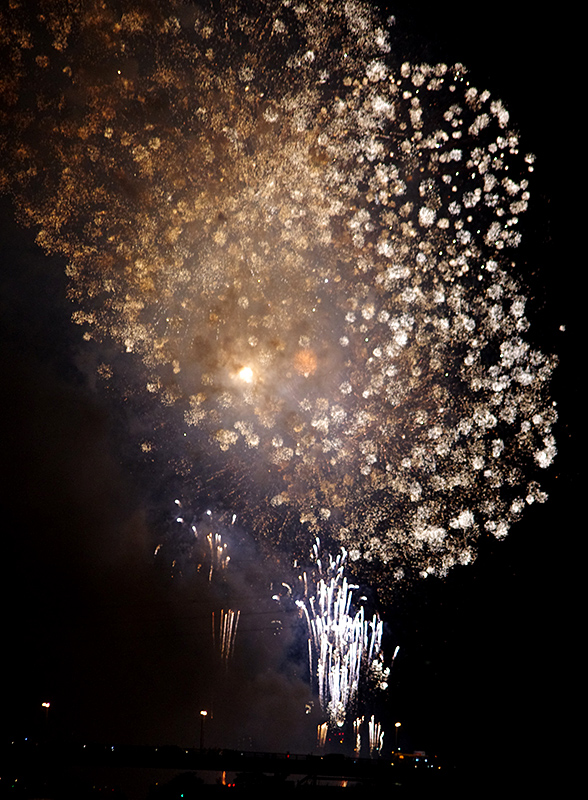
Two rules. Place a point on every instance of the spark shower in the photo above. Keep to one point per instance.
(302, 245)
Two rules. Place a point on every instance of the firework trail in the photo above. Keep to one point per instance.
(376, 736)
(223, 638)
(343, 645)
(357, 723)
(302, 246)
(321, 735)
(197, 543)
(219, 557)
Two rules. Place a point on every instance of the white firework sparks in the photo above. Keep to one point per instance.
(343, 645)
(219, 558)
(357, 723)
(198, 543)
(376, 737)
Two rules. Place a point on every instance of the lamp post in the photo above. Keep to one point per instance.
(203, 715)
(46, 706)
(396, 726)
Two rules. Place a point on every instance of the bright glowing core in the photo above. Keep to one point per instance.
(246, 374)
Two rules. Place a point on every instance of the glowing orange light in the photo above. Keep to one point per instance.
(305, 362)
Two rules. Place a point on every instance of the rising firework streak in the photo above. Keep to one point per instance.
(343, 645)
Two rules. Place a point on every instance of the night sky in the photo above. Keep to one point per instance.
(122, 650)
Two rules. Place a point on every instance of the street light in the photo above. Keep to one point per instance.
(46, 706)
(396, 726)
(203, 715)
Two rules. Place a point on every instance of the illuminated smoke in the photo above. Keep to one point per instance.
(303, 245)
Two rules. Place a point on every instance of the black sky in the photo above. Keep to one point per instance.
(123, 652)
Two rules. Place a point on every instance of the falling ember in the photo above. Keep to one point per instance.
(224, 636)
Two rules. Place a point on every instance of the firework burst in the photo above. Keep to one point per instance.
(343, 645)
(303, 245)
